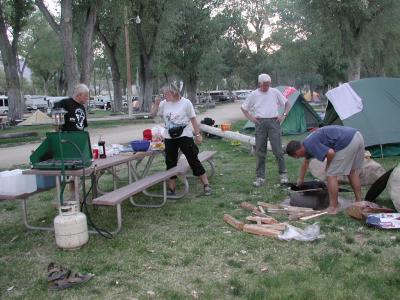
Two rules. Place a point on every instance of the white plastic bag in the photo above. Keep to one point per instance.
(310, 233)
(157, 133)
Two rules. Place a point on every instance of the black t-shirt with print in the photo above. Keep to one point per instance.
(75, 118)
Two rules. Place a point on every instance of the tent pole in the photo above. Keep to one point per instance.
(381, 151)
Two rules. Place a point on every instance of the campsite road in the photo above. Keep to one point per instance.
(18, 155)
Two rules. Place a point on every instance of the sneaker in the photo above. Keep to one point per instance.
(207, 190)
(259, 182)
(170, 192)
(284, 178)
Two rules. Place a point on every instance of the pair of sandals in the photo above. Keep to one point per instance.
(60, 278)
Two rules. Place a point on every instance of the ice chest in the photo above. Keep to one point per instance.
(15, 183)
(45, 182)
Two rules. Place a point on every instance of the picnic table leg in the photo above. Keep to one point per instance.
(114, 179)
(129, 176)
(212, 165)
(164, 195)
(25, 219)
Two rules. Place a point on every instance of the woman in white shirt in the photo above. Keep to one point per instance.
(177, 113)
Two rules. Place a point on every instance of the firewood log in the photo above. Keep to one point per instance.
(233, 222)
(263, 220)
(268, 205)
(313, 216)
(252, 208)
(259, 230)
(279, 226)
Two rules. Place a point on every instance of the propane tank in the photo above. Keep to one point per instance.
(70, 227)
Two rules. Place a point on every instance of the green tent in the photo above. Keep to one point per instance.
(378, 119)
(300, 117)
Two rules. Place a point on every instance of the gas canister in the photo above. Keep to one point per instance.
(70, 227)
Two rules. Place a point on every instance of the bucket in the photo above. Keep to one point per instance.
(225, 126)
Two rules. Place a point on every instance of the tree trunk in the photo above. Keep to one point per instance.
(64, 30)
(191, 90)
(111, 51)
(66, 36)
(9, 57)
(146, 92)
(87, 43)
(354, 68)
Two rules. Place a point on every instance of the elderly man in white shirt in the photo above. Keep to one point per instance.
(261, 107)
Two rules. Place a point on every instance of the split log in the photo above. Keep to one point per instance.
(296, 216)
(263, 220)
(268, 205)
(297, 208)
(279, 226)
(252, 208)
(259, 230)
(313, 216)
(233, 222)
(278, 211)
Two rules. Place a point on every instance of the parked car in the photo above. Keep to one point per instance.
(102, 102)
(242, 94)
(221, 96)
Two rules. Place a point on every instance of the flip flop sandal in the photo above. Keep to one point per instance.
(56, 272)
(69, 281)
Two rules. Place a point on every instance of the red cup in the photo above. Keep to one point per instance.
(147, 135)
(95, 153)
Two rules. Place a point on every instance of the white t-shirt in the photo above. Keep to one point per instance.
(264, 104)
(176, 114)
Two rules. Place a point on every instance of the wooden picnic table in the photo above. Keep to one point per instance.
(95, 171)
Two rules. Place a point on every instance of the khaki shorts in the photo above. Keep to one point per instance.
(349, 158)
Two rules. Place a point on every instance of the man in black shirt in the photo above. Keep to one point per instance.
(75, 118)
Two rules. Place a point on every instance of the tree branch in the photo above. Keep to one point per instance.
(48, 16)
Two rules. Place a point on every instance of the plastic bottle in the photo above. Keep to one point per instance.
(102, 148)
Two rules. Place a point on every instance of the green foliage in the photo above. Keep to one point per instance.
(41, 48)
(352, 28)
(15, 14)
(188, 41)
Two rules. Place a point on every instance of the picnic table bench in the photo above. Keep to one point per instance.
(116, 197)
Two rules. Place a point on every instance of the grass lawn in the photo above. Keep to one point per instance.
(185, 250)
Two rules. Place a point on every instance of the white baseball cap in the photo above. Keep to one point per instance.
(264, 78)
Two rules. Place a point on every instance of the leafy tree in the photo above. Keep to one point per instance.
(353, 22)
(41, 50)
(189, 41)
(152, 14)
(65, 29)
(13, 17)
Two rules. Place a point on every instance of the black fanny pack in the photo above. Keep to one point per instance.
(176, 131)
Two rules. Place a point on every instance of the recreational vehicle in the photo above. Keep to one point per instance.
(3, 104)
